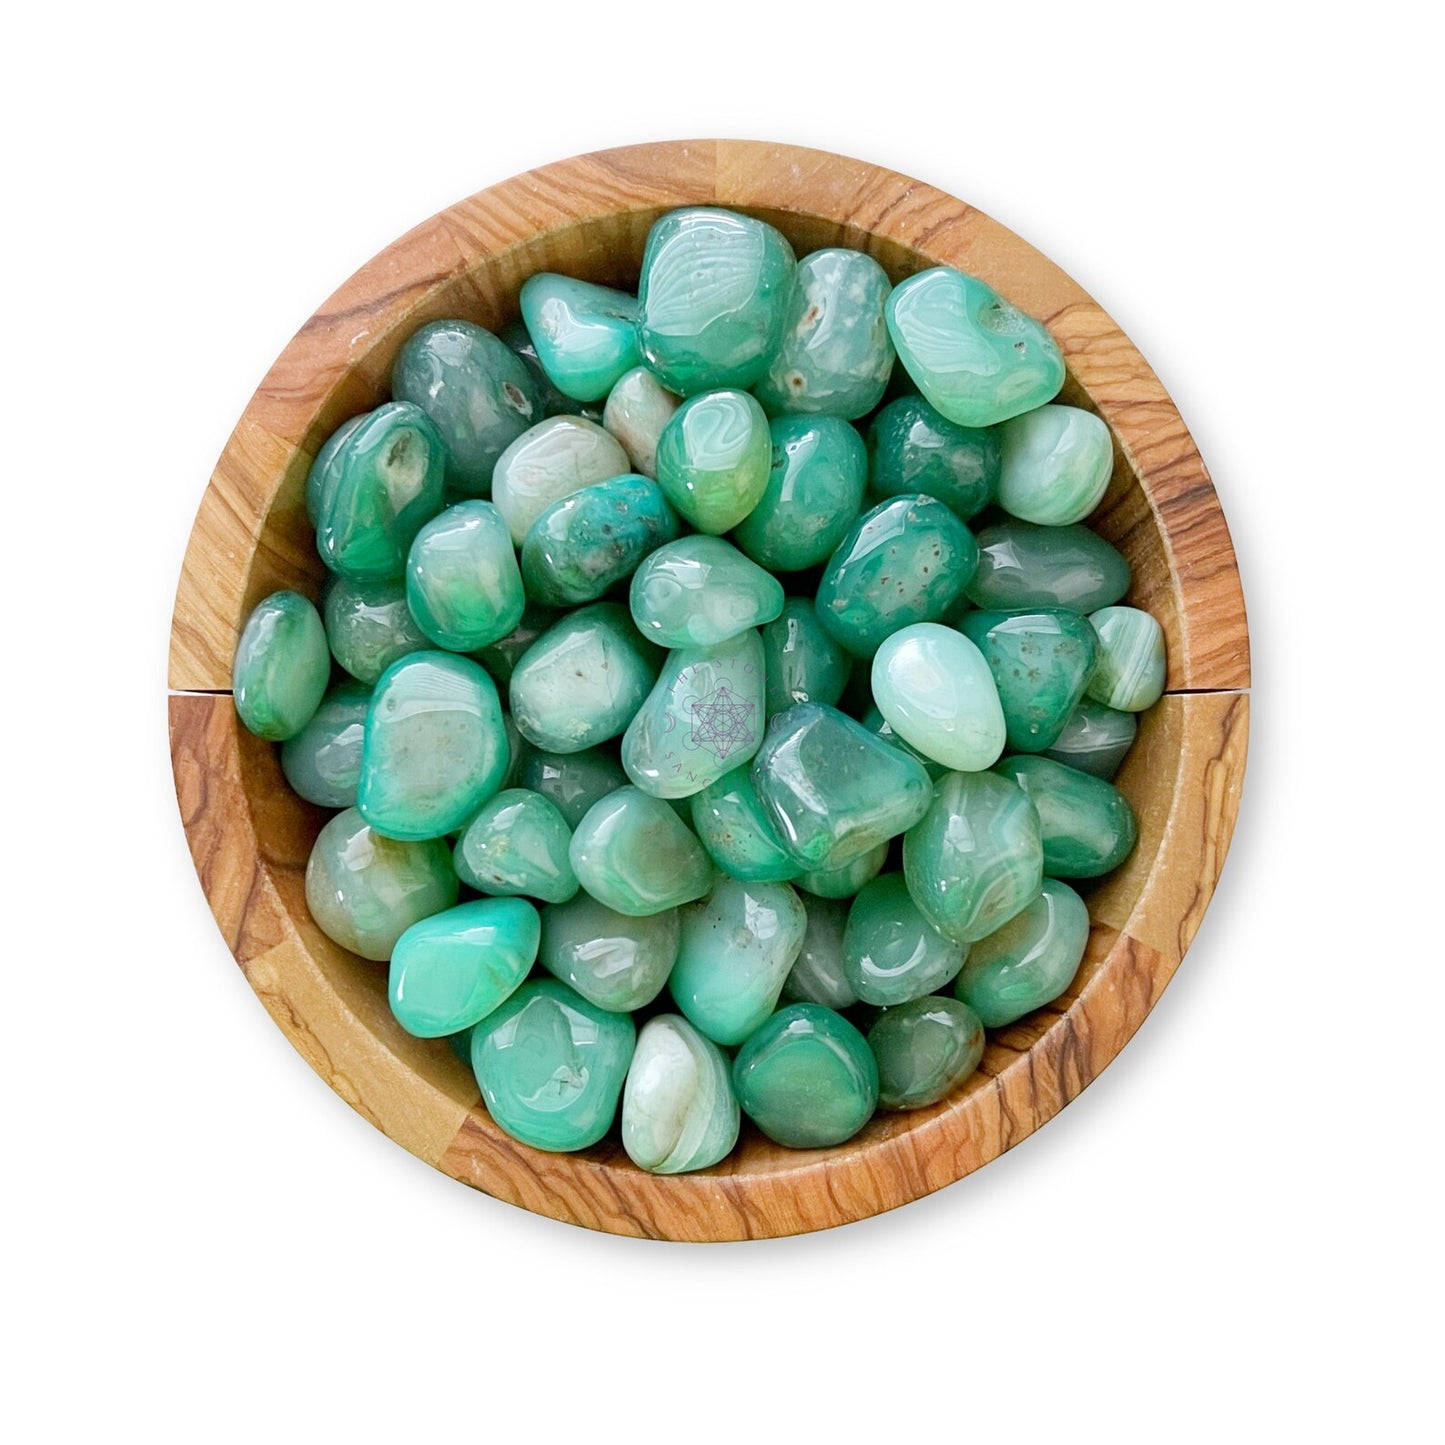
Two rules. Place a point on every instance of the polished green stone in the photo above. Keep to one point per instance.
(572, 781)
(817, 974)
(477, 391)
(845, 881)
(617, 962)
(580, 547)
(551, 1065)
(281, 666)
(364, 891)
(737, 947)
(891, 953)
(550, 461)
(518, 751)
(517, 843)
(634, 854)
(1029, 961)
(501, 657)
(817, 473)
(582, 681)
(1024, 566)
(713, 458)
(451, 970)
(729, 820)
(1095, 739)
(924, 1050)
(906, 561)
(912, 448)
(519, 341)
(712, 298)
(806, 1077)
(1131, 669)
(835, 354)
(876, 723)
(699, 591)
(976, 358)
(322, 762)
(369, 625)
(585, 335)
(937, 693)
(1086, 824)
(462, 582)
(1041, 662)
(637, 410)
(321, 479)
(435, 748)
(679, 1111)
(801, 662)
(1056, 465)
(977, 856)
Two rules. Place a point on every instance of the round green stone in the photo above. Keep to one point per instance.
(713, 459)
(617, 962)
(1024, 566)
(679, 1111)
(518, 844)
(584, 334)
(700, 591)
(572, 781)
(369, 625)
(891, 953)
(322, 763)
(1131, 669)
(462, 582)
(801, 663)
(924, 1050)
(634, 854)
(913, 448)
(1086, 824)
(281, 667)
(1056, 465)
(1095, 739)
(730, 822)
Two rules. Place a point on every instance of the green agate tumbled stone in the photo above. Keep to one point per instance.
(815, 482)
(1095, 739)
(924, 1050)
(977, 359)
(322, 762)
(729, 820)
(713, 459)
(364, 890)
(1056, 465)
(700, 591)
(679, 1111)
(369, 625)
(584, 334)
(817, 974)
(462, 582)
(637, 410)
(914, 448)
(801, 662)
(844, 882)
(551, 1066)
(1086, 824)
(550, 461)
(1131, 668)
(451, 970)
(501, 657)
(518, 340)
(806, 1077)
(1028, 962)
(518, 843)
(573, 782)
(617, 962)
(891, 953)
(435, 748)
(879, 725)
(712, 298)
(737, 947)
(635, 855)
(281, 667)
(1024, 566)
(976, 858)
(835, 354)
(321, 479)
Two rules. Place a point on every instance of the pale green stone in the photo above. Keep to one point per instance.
(550, 461)
(844, 882)
(817, 975)
(924, 1050)
(1095, 739)
(1024, 566)
(891, 953)
(617, 962)
(518, 843)
(572, 781)
(369, 625)
(699, 591)
(678, 1107)
(713, 459)
(876, 723)
(634, 854)
(1086, 824)
(1131, 669)
(462, 581)
(637, 410)
(913, 448)
(1056, 465)
(325, 469)
(584, 334)
(801, 662)
(322, 762)
(281, 667)
(729, 821)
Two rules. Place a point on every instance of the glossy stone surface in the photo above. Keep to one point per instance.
(1131, 669)
(550, 461)
(635, 855)
(501, 657)
(1086, 824)
(551, 1065)
(364, 891)
(1095, 739)
(572, 781)
(908, 560)
(737, 947)
(713, 458)
(924, 1050)
(462, 582)
(712, 298)
(879, 725)
(451, 970)
(322, 762)
(835, 354)
(976, 358)
(806, 1077)
(700, 591)
(1029, 961)
(817, 974)
(369, 625)
(977, 856)
(845, 881)
(1056, 465)
(519, 341)
(679, 1111)
(729, 820)
(584, 334)
(321, 479)
(891, 953)
(281, 667)
(617, 962)
(1024, 566)
(801, 662)
(818, 469)
(637, 410)
(517, 844)
(435, 748)
(914, 448)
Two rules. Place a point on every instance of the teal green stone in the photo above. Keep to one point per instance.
(818, 470)
(369, 625)
(322, 763)
(281, 666)
(518, 751)
(924, 1050)
(712, 299)
(835, 354)
(912, 448)
(572, 781)
(879, 725)
(1095, 739)
(476, 389)
(518, 340)
(1022, 566)
(679, 1111)
(1131, 669)
(551, 1066)
(936, 691)
(548, 462)
(1056, 465)
(583, 545)
(977, 856)
(390, 478)
(1041, 662)
(844, 882)
(700, 591)
(737, 947)
(517, 843)
(462, 582)
(501, 657)
(638, 408)
(703, 718)
(817, 974)
(806, 1077)
(801, 662)
(977, 359)
(1029, 961)
(582, 681)
(833, 790)
(906, 561)
(1086, 824)
(451, 970)
(891, 953)
(617, 962)
(635, 855)
(321, 479)
(435, 748)
(585, 334)
(364, 890)
(713, 458)
(729, 820)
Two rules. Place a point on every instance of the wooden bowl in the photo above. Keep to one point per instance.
(250, 836)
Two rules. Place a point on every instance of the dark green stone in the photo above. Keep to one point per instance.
(801, 662)
(323, 761)
(1095, 739)
(1087, 825)
(369, 625)
(572, 781)
(924, 1050)
(1021, 565)
(913, 448)
(500, 658)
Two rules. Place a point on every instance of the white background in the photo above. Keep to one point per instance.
(1232, 1235)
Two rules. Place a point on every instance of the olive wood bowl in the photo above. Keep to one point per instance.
(250, 837)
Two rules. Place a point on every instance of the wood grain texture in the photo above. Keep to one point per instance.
(250, 836)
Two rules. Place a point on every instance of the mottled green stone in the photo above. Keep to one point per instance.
(1095, 739)
(572, 781)
(552, 460)
(817, 974)
(322, 763)
(679, 1111)
(699, 591)
(1024, 566)
(281, 666)
(924, 1050)
(713, 458)
(891, 953)
(1086, 824)
(585, 334)
(517, 843)
(1131, 670)
(462, 582)
(912, 448)
(634, 854)
(617, 962)
(801, 662)
(879, 725)
(845, 881)
(729, 820)
(1056, 465)
(369, 625)
(501, 657)
(638, 408)
(321, 479)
